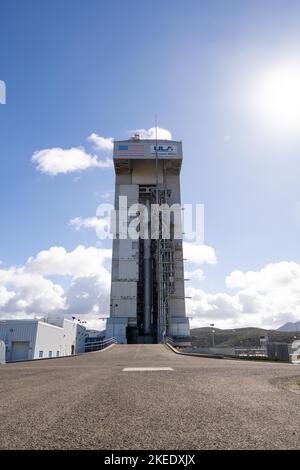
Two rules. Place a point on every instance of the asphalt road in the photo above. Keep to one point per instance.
(89, 402)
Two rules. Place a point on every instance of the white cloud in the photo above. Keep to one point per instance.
(96, 223)
(266, 298)
(104, 195)
(153, 132)
(271, 277)
(32, 292)
(104, 144)
(251, 301)
(57, 160)
(206, 308)
(80, 262)
(199, 254)
(5, 296)
(195, 275)
(100, 225)
(84, 291)
(89, 295)
(54, 161)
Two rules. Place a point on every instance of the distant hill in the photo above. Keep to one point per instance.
(289, 326)
(239, 337)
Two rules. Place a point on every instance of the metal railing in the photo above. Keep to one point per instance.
(170, 341)
(101, 344)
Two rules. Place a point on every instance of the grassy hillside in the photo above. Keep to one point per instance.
(242, 337)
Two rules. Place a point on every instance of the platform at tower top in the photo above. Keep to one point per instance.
(127, 151)
(147, 148)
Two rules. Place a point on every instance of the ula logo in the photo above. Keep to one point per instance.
(2, 92)
(164, 149)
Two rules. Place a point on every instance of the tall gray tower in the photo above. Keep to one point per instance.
(147, 287)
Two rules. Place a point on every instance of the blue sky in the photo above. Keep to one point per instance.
(74, 68)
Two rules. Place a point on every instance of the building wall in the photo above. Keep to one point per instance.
(125, 268)
(74, 334)
(74, 340)
(49, 341)
(80, 339)
(116, 328)
(42, 340)
(18, 331)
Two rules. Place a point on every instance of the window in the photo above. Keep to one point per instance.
(57, 353)
(50, 354)
(41, 353)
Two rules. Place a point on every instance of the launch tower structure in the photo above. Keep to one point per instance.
(147, 283)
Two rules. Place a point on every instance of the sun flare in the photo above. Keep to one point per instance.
(277, 97)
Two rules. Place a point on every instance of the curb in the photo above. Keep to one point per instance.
(58, 357)
(209, 356)
(227, 358)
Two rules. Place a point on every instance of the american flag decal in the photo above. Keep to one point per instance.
(131, 150)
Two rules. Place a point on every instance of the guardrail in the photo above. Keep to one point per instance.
(98, 345)
(170, 341)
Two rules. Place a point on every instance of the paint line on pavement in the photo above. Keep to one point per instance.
(145, 369)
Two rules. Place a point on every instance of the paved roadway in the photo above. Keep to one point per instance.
(89, 402)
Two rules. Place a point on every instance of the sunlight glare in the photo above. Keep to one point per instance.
(277, 98)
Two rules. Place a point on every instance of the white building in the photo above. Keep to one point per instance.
(36, 339)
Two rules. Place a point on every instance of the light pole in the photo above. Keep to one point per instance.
(213, 335)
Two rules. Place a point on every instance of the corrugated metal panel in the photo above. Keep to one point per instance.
(2, 330)
(131, 191)
(127, 249)
(179, 328)
(123, 298)
(18, 331)
(129, 270)
(135, 246)
(144, 172)
(12, 331)
(123, 289)
(116, 327)
(124, 307)
(177, 307)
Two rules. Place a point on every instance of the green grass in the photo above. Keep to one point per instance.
(298, 381)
